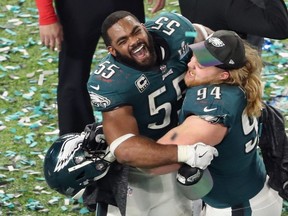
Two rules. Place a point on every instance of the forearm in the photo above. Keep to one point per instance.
(278, 17)
(46, 12)
(163, 169)
(142, 152)
(267, 19)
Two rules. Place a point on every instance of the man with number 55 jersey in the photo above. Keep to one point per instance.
(139, 90)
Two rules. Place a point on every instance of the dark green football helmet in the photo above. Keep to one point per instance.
(69, 167)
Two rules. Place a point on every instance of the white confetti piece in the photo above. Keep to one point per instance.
(30, 75)
(2, 127)
(41, 79)
(5, 49)
(284, 54)
(3, 58)
(66, 201)
(10, 168)
(41, 157)
(55, 132)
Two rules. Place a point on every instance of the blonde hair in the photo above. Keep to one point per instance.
(249, 79)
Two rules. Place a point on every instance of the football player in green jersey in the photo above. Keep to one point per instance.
(139, 88)
(221, 108)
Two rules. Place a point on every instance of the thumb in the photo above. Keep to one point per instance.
(215, 152)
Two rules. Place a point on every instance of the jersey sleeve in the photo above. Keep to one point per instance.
(176, 30)
(110, 85)
(46, 12)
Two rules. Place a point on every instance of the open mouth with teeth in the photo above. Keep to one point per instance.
(140, 52)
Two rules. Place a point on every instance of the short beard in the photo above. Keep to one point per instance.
(207, 81)
(131, 63)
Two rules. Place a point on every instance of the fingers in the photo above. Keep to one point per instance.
(160, 4)
(52, 43)
(215, 152)
(58, 45)
(51, 36)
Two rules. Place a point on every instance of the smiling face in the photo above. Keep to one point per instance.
(131, 43)
(199, 75)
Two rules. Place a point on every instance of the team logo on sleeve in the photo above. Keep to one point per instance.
(142, 83)
(183, 50)
(98, 100)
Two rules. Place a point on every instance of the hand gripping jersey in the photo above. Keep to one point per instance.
(238, 172)
(155, 95)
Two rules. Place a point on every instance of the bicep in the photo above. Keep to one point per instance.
(119, 122)
(193, 130)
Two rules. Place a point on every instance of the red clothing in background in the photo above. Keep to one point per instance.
(46, 11)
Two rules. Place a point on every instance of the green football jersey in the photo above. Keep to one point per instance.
(238, 172)
(155, 95)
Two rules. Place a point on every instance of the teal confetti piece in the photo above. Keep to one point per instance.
(18, 137)
(27, 96)
(35, 153)
(32, 145)
(2, 176)
(28, 140)
(2, 75)
(40, 179)
(10, 154)
(6, 41)
(24, 176)
(84, 211)
(64, 208)
(10, 32)
(45, 96)
(13, 8)
(190, 34)
(40, 63)
(13, 130)
(33, 10)
(3, 68)
(35, 126)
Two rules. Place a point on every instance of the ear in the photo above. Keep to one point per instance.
(111, 50)
(224, 75)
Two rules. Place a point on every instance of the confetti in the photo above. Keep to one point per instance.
(28, 111)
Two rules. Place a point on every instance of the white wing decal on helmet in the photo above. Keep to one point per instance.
(67, 151)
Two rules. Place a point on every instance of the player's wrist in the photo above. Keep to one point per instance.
(117, 142)
(184, 153)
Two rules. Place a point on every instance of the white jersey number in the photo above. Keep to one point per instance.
(250, 125)
(167, 107)
(170, 25)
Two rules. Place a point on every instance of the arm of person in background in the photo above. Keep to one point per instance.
(142, 152)
(202, 32)
(264, 18)
(50, 29)
(189, 132)
(158, 5)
